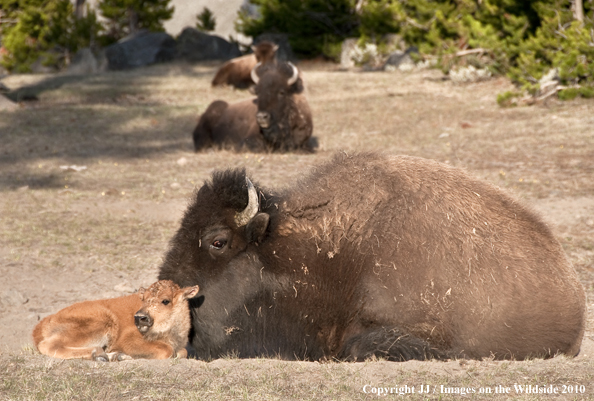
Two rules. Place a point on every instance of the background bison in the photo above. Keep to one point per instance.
(278, 119)
(396, 257)
(238, 71)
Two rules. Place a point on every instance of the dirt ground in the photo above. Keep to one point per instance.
(68, 236)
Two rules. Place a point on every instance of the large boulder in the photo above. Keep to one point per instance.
(140, 49)
(193, 45)
(85, 61)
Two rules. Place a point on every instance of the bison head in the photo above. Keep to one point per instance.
(216, 246)
(276, 84)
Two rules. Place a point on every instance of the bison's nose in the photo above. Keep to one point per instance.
(263, 119)
(142, 321)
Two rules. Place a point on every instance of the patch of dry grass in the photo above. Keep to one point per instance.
(34, 377)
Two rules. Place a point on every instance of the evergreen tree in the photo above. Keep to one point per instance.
(311, 25)
(562, 43)
(128, 16)
(42, 29)
(206, 21)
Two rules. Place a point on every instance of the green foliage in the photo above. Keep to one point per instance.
(559, 43)
(43, 30)
(508, 99)
(206, 21)
(311, 25)
(524, 39)
(128, 16)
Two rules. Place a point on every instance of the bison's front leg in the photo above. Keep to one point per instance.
(391, 343)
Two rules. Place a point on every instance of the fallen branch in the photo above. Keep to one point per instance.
(471, 51)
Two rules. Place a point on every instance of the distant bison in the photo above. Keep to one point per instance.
(237, 72)
(396, 257)
(277, 120)
(151, 324)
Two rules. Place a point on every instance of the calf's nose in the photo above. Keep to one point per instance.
(142, 320)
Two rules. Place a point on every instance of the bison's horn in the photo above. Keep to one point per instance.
(253, 74)
(242, 218)
(295, 75)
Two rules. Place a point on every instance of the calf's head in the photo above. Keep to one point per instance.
(164, 307)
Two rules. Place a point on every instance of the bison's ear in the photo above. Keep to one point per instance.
(256, 228)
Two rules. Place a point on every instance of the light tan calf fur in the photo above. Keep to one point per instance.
(151, 324)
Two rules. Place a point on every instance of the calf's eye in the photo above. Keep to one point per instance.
(165, 302)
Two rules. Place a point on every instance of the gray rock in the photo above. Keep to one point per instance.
(193, 45)
(346, 53)
(140, 49)
(84, 62)
(399, 59)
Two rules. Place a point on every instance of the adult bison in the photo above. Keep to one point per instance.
(237, 72)
(393, 256)
(278, 119)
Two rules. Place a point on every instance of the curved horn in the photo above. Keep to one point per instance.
(295, 75)
(242, 218)
(254, 76)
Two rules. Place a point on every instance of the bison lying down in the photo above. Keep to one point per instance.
(153, 324)
(370, 255)
(278, 119)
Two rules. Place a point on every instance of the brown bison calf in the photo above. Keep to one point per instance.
(152, 324)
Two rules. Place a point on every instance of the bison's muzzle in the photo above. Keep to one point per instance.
(263, 118)
(143, 321)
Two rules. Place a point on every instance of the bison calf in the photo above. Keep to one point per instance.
(152, 324)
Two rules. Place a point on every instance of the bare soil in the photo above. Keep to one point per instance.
(68, 236)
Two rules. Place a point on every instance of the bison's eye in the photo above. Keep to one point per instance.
(282, 92)
(165, 302)
(218, 244)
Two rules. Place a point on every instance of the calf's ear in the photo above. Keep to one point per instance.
(256, 227)
(191, 292)
(140, 293)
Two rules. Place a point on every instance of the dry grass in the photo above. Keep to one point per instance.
(69, 236)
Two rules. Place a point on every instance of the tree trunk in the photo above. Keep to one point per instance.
(79, 10)
(578, 11)
(133, 20)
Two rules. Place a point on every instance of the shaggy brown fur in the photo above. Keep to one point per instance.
(237, 72)
(372, 255)
(151, 324)
(278, 119)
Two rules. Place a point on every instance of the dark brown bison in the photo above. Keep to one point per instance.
(237, 72)
(390, 256)
(278, 119)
